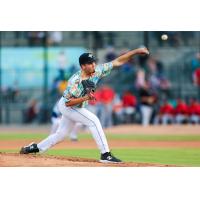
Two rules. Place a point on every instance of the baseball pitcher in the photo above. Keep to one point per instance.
(80, 89)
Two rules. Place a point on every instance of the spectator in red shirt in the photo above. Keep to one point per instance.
(194, 111)
(166, 114)
(181, 112)
(129, 103)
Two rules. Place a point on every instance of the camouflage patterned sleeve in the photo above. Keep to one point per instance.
(104, 69)
(69, 92)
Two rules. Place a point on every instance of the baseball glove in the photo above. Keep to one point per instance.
(89, 88)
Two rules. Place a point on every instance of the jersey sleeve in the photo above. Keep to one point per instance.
(70, 91)
(104, 69)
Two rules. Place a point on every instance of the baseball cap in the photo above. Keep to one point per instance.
(86, 58)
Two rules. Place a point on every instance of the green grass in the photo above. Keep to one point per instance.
(179, 156)
(20, 136)
(135, 137)
(173, 156)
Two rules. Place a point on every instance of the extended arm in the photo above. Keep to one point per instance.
(127, 56)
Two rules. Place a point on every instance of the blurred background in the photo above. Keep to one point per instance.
(163, 88)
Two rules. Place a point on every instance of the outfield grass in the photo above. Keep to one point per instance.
(134, 137)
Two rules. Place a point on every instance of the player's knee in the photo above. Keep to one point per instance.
(95, 121)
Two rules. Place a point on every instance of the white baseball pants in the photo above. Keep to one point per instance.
(55, 124)
(70, 116)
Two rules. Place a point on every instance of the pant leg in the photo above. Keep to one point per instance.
(87, 118)
(90, 120)
(64, 128)
(157, 120)
(146, 114)
(179, 119)
(103, 115)
(55, 123)
(70, 116)
(74, 132)
(109, 115)
(194, 119)
(165, 119)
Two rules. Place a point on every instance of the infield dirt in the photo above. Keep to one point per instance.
(17, 160)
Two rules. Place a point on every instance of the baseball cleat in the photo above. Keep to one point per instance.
(31, 148)
(109, 158)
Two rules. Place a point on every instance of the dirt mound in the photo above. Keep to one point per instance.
(17, 160)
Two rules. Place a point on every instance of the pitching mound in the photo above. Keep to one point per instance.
(17, 160)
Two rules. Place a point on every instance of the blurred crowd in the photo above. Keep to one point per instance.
(145, 100)
(195, 64)
(113, 109)
(138, 92)
(102, 38)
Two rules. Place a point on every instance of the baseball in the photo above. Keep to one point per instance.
(164, 37)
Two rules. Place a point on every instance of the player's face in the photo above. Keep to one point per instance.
(89, 68)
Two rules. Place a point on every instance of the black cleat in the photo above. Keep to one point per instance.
(31, 148)
(109, 158)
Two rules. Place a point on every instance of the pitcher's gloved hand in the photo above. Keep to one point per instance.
(89, 88)
(91, 96)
